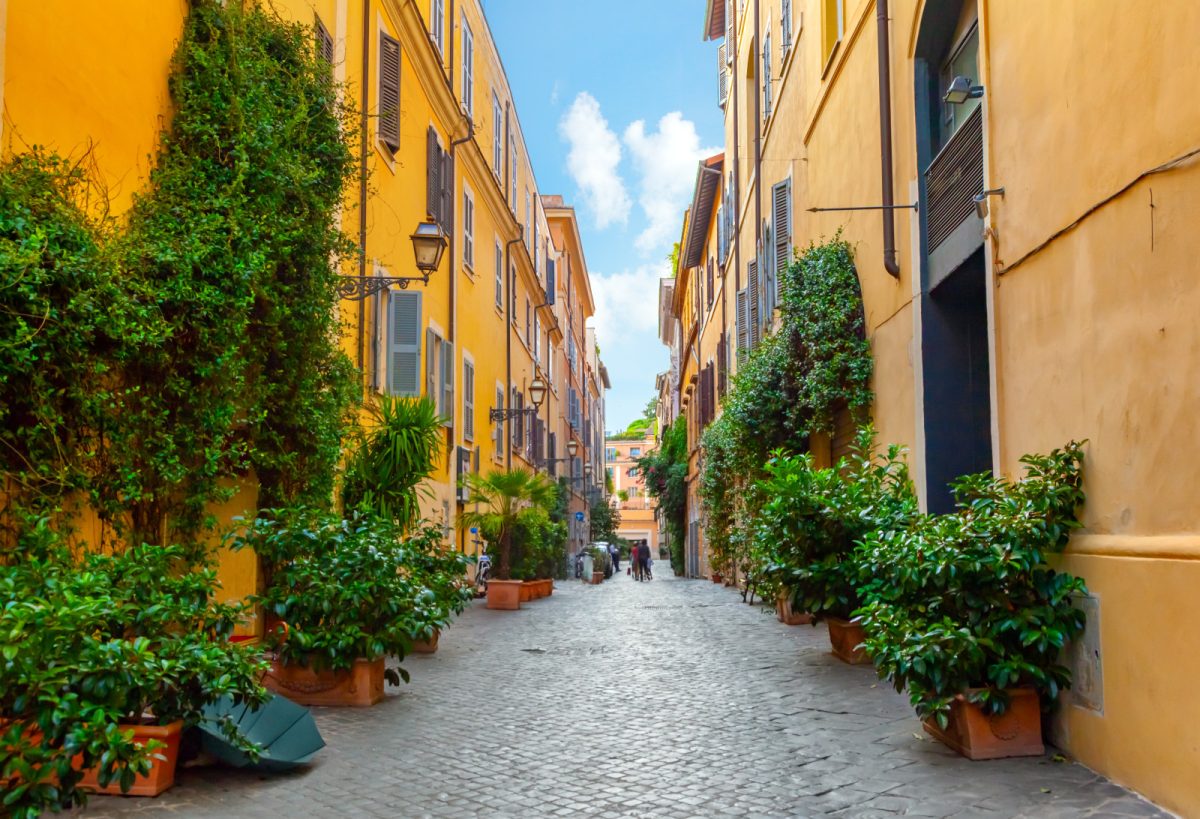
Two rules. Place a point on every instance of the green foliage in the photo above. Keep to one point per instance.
(392, 458)
(88, 643)
(538, 545)
(498, 498)
(605, 520)
(788, 387)
(810, 520)
(965, 601)
(351, 588)
(664, 471)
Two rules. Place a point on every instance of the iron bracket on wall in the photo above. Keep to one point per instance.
(358, 288)
(913, 206)
(495, 415)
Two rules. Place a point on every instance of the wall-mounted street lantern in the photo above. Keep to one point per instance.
(429, 243)
(961, 90)
(537, 394)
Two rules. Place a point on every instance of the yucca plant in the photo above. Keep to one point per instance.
(499, 498)
(394, 455)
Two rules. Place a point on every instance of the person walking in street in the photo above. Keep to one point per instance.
(616, 557)
(643, 552)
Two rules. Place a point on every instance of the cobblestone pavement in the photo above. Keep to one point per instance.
(671, 698)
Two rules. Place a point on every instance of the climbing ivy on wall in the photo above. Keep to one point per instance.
(788, 388)
(161, 362)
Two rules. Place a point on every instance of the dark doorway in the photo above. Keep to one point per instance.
(958, 430)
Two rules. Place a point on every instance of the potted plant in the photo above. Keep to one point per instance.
(105, 659)
(601, 564)
(444, 592)
(499, 497)
(351, 591)
(811, 520)
(963, 612)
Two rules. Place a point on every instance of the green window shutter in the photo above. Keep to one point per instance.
(752, 302)
(468, 401)
(389, 91)
(432, 373)
(433, 176)
(448, 382)
(404, 343)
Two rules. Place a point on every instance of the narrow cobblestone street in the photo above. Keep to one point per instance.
(670, 698)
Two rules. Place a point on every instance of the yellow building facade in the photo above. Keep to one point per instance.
(442, 140)
(1028, 275)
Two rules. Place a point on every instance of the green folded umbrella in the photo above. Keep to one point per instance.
(286, 732)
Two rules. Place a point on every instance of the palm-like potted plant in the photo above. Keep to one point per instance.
(499, 497)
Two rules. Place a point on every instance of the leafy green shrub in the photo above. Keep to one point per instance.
(966, 601)
(347, 588)
(539, 545)
(811, 519)
(497, 500)
(665, 470)
(92, 642)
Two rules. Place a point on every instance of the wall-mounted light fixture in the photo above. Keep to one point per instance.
(429, 243)
(981, 205)
(961, 90)
(537, 393)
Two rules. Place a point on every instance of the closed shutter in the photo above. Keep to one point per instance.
(722, 366)
(539, 437)
(730, 28)
(498, 432)
(781, 216)
(433, 175)
(468, 400)
(404, 344)
(709, 289)
(842, 439)
(389, 92)
(752, 303)
(432, 371)
(448, 381)
(446, 177)
(722, 76)
(743, 332)
(324, 42)
(552, 453)
(520, 425)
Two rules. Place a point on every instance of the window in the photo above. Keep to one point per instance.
(403, 343)
(785, 27)
(635, 452)
(324, 41)
(633, 472)
(468, 68)
(499, 275)
(439, 373)
(766, 73)
(512, 171)
(498, 430)
(468, 400)
(437, 24)
(781, 231)
(528, 218)
(833, 25)
(389, 92)
(439, 181)
(512, 292)
(468, 226)
(537, 338)
(963, 62)
(497, 135)
(528, 323)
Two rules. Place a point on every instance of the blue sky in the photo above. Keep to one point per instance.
(618, 101)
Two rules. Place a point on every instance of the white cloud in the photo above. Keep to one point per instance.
(593, 160)
(627, 306)
(666, 161)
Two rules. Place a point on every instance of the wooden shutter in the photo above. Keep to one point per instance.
(498, 432)
(752, 302)
(730, 28)
(743, 333)
(446, 178)
(432, 372)
(722, 76)
(709, 288)
(468, 400)
(324, 42)
(404, 343)
(389, 91)
(722, 366)
(448, 381)
(781, 216)
(433, 175)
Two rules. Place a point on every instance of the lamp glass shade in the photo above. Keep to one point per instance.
(429, 242)
(959, 90)
(537, 391)
(572, 447)
(587, 468)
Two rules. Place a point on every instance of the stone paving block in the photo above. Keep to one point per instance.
(665, 699)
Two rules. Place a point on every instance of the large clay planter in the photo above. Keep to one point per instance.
(783, 610)
(846, 637)
(162, 771)
(526, 591)
(548, 585)
(427, 646)
(597, 578)
(717, 577)
(504, 595)
(360, 685)
(976, 735)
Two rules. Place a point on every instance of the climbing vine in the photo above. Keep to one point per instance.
(159, 363)
(789, 387)
(665, 470)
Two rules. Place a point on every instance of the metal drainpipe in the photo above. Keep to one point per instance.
(508, 331)
(885, 138)
(735, 221)
(758, 180)
(362, 176)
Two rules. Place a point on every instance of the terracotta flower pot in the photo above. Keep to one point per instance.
(597, 578)
(162, 771)
(976, 735)
(427, 646)
(783, 610)
(846, 637)
(360, 685)
(504, 594)
(549, 586)
(717, 577)
(526, 590)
